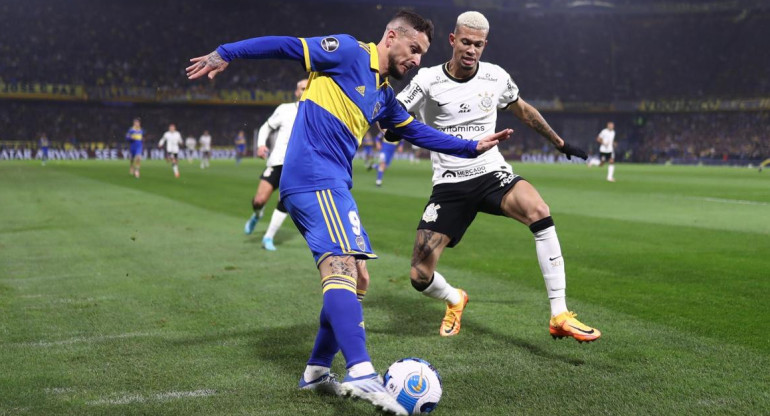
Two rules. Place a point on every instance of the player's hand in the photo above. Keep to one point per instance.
(570, 151)
(492, 140)
(210, 64)
(262, 152)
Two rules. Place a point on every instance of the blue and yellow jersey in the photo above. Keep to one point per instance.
(368, 140)
(240, 140)
(344, 97)
(44, 142)
(135, 134)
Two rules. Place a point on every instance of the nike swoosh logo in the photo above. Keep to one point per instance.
(441, 105)
(449, 331)
(585, 332)
(553, 258)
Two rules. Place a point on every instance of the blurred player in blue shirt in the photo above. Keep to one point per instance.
(240, 146)
(135, 136)
(367, 145)
(387, 151)
(348, 91)
(44, 143)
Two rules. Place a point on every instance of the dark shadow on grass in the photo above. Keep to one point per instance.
(413, 315)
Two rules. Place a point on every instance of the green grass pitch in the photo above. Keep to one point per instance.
(144, 297)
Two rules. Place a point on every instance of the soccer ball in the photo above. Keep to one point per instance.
(415, 384)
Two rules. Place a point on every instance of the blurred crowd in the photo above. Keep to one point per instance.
(585, 58)
(577, 58)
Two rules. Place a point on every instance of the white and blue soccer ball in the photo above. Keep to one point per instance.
(415, 384)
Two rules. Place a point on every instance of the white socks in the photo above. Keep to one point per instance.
(275, 223)
(361, 369)
(552, 266)
(610, 172)
(440, 289)
(312, 372)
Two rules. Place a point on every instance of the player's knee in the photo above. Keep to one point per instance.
(420, 277)
(538, 212)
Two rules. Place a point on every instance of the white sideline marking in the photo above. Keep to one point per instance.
(138, 398)
(89, 340)
(730, 201)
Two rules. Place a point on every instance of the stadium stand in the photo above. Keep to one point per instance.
(678, 69)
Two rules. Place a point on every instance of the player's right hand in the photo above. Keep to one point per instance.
(262, 152)
(210, 64)
(492, 140)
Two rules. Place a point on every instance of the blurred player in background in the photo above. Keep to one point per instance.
(606, 140)
(205, 149)
(281, 122)
(240, 146)
(367, 144)
(189, 148)
(387, 151)
(44, 143)
(135, 137)
(172, 139)
(347, 92)
(763, 164)
(462, 97)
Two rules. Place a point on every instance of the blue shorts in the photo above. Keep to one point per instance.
(387, 152)
(240, 148)
(368, 149)
(136, 148)
(329, 221)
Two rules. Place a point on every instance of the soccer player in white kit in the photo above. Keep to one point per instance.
(205, 148)
(172, 139)
(606, 140)
(190, 144)
(461, 97)
(281, 122)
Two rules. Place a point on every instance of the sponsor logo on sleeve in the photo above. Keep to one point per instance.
(330, 44)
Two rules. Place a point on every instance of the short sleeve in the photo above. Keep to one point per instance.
(413, 96)
(326, 53)
(275, 119)
(509, 93)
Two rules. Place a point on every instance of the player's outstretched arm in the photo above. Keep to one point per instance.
(210, 64)
(492, 140)
(532, 118)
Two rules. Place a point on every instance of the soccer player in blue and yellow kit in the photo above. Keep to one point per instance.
(348, 91)
(44, 143)
(240, 146)
(135, 135)
(367, 145)
(387, 151)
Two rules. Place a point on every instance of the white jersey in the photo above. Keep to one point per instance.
(608, 139)
(463, 108)
(190, 143)
(280, 121)
(173, 140)
(205, 143)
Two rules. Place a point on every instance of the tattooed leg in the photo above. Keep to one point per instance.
(428, 246)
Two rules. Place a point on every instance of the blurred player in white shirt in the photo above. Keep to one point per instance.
(190, 143)
(606, 140)
(172, 139)
(280, 123)
(205, 149)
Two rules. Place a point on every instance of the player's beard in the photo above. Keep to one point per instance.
(394, 71)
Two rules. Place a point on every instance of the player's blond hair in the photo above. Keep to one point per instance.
(472, 20)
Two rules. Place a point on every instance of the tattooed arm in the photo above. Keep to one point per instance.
(532, 118)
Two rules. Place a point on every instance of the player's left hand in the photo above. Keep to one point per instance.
(492, 140)
(210, 64)
(570, 151)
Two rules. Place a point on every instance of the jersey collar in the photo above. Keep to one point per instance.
(374, 64)
(460, 80)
